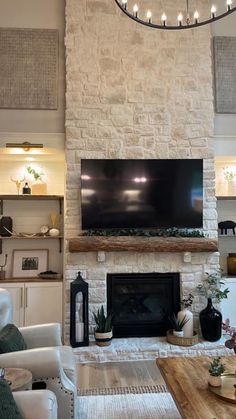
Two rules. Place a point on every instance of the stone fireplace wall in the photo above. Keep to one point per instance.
(134, 92)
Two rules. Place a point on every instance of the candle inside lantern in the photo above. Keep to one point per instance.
(79, 332)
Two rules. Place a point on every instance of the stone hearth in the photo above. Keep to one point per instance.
(137, 349)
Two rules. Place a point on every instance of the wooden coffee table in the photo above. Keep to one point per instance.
(18, 378)
(187, 381)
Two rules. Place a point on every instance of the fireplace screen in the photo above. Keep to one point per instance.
(142, 303)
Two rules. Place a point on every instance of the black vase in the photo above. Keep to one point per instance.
(5, 222)
(211, 322)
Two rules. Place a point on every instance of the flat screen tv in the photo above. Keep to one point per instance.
(141, 193)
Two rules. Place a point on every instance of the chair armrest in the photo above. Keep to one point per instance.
(42, 362)
(36, 404)
(42, 335)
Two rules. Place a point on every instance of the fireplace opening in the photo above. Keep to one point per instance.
(142, 303)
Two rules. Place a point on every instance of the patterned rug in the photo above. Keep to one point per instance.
(128, 406)
(158, 388)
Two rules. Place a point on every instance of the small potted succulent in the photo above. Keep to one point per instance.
(216, 368)
(103, 330)
(178, 325)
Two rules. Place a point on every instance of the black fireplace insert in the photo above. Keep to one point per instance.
(141, 303)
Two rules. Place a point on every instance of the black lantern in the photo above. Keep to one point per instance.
(79, 333)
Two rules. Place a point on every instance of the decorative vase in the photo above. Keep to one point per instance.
(6, 222)
(39, 188)
(54, 232)
(210, 321)
(188, 327)
(231, 264)
(179, 333)
(103, 339)
(214, 380)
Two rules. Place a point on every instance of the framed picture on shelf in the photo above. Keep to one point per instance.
(29, 263)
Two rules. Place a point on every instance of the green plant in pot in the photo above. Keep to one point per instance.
(210, 317)
(216, 368)
(178, 325)
(103, 329)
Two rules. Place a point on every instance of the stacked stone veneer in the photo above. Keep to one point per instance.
(134, 92)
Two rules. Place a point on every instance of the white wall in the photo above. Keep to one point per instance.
(47, 14)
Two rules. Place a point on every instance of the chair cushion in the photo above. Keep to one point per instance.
(8, 406)
(11, 339)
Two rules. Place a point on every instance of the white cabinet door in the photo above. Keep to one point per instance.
(43, 303)
(17, 294)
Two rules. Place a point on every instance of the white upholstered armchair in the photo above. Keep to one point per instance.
(36, 404)
(52, 365)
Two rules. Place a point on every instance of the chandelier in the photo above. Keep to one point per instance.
(184, 20)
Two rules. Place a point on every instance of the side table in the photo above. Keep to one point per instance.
(18, 378)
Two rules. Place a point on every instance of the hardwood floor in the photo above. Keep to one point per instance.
(118, 374)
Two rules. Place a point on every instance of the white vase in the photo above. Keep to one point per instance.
(179, 333)
(54, 232)
(214, 381)
(188, 327)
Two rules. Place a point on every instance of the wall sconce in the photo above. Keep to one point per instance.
(79, 331)
(26, 146)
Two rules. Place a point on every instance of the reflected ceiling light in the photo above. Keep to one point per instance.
(26, 146)
(185, 19)
(29, 158)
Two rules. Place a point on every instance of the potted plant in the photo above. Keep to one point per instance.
(210, 317)
(103, 330)
(216, 368)
(39, 187)
(187, 302)
(178, 325)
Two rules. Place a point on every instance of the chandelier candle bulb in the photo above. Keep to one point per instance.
(229, 4)
(213, 11)
(196, 17)
(149, 16)
(124, 4)
(164, 19)
(180, 18)
(135, 10)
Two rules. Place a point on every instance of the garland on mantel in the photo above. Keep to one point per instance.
(164, 232)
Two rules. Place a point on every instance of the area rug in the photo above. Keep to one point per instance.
(158, 388)
(128, 406)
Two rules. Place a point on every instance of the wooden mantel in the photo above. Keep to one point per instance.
(142, 244)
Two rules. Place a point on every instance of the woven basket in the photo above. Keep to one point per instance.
(181, 340)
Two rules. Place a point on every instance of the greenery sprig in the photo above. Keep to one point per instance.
(187, 301)
(164, 232)
(37, 175)
(211, 286)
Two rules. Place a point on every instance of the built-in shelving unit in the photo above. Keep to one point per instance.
(21, 198)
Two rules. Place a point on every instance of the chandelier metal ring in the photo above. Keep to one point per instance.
(122, 4)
